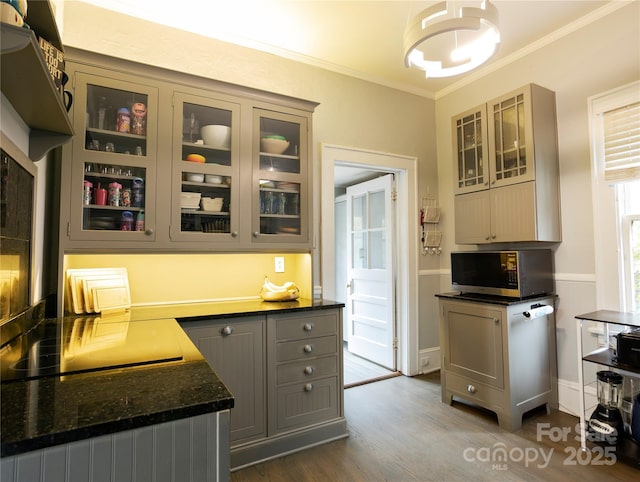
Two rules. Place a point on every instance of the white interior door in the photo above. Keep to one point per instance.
(370, 261)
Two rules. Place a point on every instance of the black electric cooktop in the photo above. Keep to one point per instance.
(55, 347)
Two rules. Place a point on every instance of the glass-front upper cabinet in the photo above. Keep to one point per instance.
(511, 135)
(470, 150)
(113, 176)
(206, 184)
(280, 178)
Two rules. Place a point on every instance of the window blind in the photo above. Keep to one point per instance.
(622, 143)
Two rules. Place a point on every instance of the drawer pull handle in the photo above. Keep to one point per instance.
(308, 370)
(308, 387)
(307, 327)
(471, 389)
(308, 348)
(227, 330)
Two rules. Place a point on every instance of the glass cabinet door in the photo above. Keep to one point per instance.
(205, 173)
(280, 178)
(114, 161)
(512, 154)
(470, 148)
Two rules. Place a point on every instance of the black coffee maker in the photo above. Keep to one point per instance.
(606, 425)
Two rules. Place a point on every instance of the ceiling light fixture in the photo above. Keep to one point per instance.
(451, 38)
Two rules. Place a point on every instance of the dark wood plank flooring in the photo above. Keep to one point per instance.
(399, 430)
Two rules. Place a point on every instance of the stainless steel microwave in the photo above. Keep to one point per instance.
(515, 274)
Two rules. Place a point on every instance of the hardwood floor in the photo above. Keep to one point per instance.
(357, 370)
(399, 430)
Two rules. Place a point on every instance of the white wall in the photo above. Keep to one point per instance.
(599, 57)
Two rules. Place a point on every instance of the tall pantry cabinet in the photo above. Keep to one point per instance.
(139, 176)
(506, 169)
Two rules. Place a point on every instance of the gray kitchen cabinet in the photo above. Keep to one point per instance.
(234, 348)
(190, 450)
(507, 179)
(280, 183)
(289, 390)
(240, 197)
(109, 185)
(305, 369)
(471, 150)
(217, 178)
(495, 357)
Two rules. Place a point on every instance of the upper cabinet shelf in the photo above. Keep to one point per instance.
(27, 84)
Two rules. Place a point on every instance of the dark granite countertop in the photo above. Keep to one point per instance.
(88, 402)
(229, 309)
(495, 300)
(615, 317)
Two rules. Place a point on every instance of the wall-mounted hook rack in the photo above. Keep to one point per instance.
(430, 216)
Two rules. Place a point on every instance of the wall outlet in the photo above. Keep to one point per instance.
(424, 362)
(279, 264)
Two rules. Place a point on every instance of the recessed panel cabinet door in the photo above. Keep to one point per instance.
(234, 349)
(472, 342)
(473, 218)
(513, 213)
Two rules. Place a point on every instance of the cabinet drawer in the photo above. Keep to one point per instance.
(307, 370)
(306, 403)
(293, 350)
(306, 327)
(472, 390)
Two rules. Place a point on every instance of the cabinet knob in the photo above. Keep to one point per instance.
(234, 234)
(308, 370)
(256, 234)
(307, 327)
(308, 387)
(148, 232)
(471, 389)
(487, 238)
(493, 236)
(308, 348)
(227, 330)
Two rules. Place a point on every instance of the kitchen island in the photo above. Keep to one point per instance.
(130, 393)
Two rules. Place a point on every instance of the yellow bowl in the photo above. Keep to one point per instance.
(195, 158)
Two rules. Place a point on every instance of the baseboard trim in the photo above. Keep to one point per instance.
(428, 360)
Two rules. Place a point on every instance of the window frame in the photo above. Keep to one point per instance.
(612, 269)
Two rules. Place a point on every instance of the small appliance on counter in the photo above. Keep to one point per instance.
(628, 351)
(606, 425)
(515, 274)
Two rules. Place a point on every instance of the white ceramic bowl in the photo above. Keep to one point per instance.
(215, 135)
(195, 177)
(190, 200)
(272, 145)
(213, 179)
(211, 204)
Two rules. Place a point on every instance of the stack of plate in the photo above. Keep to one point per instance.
(97, 290)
